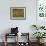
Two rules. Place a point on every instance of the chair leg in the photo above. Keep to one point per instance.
(5, 43)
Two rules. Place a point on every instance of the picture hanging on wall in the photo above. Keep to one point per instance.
(18, 13)
(41, 8)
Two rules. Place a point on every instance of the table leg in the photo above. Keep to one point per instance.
(5, 40)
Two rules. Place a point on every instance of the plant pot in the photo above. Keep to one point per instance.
(40, 41)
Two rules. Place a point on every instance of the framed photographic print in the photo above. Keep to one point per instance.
(18, 13)
(41, 8)
(41, 12)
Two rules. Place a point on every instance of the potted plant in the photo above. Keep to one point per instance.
(39, 35)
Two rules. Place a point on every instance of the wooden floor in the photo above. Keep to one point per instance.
(13, 44)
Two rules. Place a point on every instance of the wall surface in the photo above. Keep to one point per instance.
(24, 25)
